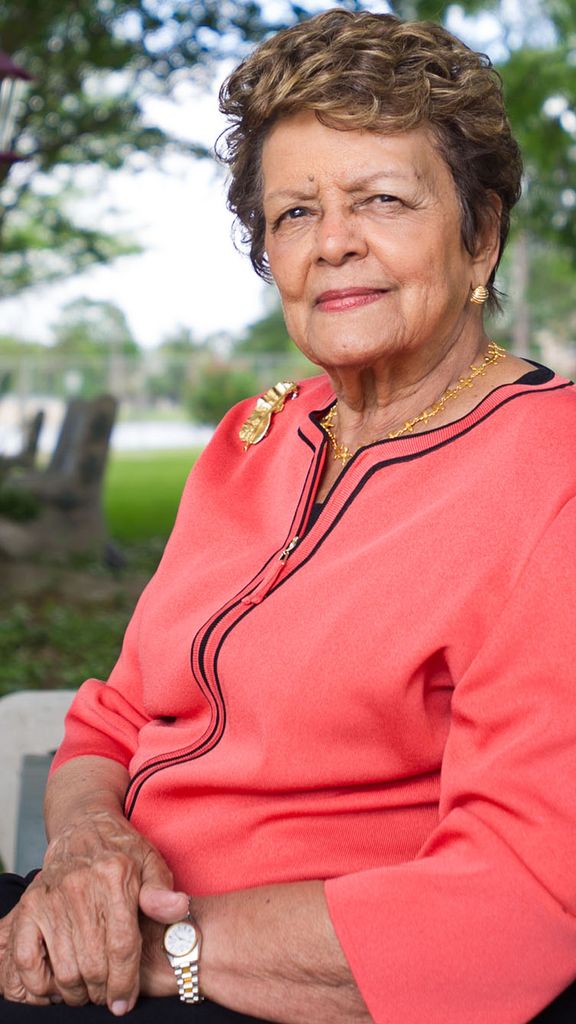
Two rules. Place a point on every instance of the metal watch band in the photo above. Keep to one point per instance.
(188, 985)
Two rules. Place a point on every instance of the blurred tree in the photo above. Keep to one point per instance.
(42, 240)
(268, 352)
(217, 387)
(173, 361)
(12, 345)
(551, 284)
(182, 341)
(94, 345)
(88, 327)
(95, 61)
(536, 51)
(553, 289)
(268, 334)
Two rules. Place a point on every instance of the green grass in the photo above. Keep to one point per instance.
(71, 627)
(46, 644)
(142, 491)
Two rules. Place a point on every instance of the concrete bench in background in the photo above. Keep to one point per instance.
(30, 833)
(69, 490)
(26, 456)
(31, 723)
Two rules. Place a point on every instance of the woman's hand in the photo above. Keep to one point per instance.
(156, 975)
(76, 930)
(10, 981)
(156, 978)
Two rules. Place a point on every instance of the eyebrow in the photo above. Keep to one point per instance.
(357, 185)
(371, 179)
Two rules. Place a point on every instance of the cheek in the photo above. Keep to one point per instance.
(287, 275)
(439, 270)
(294, 320)
(451, 249)
(289, 260)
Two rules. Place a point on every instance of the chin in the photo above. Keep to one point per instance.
(333, 348)
(335, 367)
(348, 357)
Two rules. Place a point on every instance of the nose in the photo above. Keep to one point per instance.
(339, 238)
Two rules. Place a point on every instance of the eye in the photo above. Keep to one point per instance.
(294, 213)
(382, 198)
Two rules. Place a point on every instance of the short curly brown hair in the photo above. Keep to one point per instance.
(378, 73)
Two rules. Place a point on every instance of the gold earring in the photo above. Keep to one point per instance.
(479, 295)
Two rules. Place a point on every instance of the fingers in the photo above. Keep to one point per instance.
(77, 969)
(155, 871)
(30, 968)
(163, 905)
(75, 934)
(87, 930)
(25, 975)
(96, 954)
(123, 950)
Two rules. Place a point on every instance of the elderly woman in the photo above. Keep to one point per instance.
(342, 730)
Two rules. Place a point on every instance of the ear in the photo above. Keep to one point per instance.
(488, 238)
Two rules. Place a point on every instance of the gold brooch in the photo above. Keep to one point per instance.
(258, 423)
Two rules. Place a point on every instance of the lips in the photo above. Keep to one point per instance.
(341, 299)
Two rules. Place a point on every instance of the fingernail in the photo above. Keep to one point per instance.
(168, 897)
(177, 897)
(119, 1007)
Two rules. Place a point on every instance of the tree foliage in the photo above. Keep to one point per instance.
(268, 334)
(93, 346)
(90, 327)
(95, 61)
(174, 360)
(217, 388)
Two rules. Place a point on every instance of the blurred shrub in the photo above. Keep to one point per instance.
(18, 505)
(218, 387)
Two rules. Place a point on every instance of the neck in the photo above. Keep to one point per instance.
(374, 402)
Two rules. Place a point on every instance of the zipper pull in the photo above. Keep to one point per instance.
(268, 581)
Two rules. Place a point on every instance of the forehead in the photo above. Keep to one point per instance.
(301, 152)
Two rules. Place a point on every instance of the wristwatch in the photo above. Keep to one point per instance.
(182, 946)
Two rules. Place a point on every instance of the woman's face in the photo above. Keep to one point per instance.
(363, 236)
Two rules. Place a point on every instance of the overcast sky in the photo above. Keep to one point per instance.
(189, 274)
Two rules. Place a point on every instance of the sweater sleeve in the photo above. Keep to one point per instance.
(105, 718)
(480, 926)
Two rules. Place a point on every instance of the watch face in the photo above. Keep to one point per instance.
(180, 938)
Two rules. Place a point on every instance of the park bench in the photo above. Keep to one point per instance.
(69, 490)
(26, 457)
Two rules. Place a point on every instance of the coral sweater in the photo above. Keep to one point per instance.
(390, 707)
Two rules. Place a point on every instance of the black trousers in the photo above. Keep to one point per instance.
(150, 1011)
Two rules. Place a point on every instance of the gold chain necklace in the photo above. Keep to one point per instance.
(343, 453)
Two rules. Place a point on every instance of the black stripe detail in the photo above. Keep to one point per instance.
(539, 375)
(391, 462)
(218, 705)
(318, 464)
(306, 439)
(192, 754)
